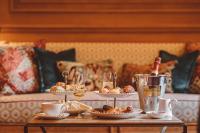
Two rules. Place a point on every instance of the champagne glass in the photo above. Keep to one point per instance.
(107, 82)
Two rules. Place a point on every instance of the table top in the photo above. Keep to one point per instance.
(90, 121)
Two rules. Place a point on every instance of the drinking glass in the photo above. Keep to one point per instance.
(107, 80)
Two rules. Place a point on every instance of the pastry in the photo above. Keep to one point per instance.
(57, 89)
(110, 110)
(128, 109)
(128, 89)
(107, 107)
(75, 105)
(62, 84)
(104, 90)
(114, 91)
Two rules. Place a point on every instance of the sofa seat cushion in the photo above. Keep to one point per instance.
(20, 108)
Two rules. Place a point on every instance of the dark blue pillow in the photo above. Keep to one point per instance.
(46, 63)
(182, 73)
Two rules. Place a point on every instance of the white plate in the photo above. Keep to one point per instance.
(109, 95)
(60, 93)
(155, 115)
(116, 115)
(45, 116)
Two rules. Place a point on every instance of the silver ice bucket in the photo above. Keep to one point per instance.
(150, 88)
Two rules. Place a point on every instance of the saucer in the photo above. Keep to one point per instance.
(156, 115)
(49, 117)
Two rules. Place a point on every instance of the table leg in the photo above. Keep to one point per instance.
(43, 129)
(184, 128)
(25, 129)
(163, 130)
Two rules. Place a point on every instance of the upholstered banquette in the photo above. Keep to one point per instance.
(19, 108)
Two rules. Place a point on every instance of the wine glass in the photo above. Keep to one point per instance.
(107, 82)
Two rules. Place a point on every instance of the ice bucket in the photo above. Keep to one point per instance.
(150, 88)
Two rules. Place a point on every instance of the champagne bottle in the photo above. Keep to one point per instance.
(155, 67)
(154, 80)
(154, 87)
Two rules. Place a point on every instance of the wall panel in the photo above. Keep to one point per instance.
(100, 20)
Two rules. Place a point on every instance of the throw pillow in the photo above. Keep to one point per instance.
(93, 71)
(46, 62)
(18, 73)
(128, 71)
(182, 73)
(195, 83)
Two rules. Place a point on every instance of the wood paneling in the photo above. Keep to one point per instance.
(100, 20)
(105, 6)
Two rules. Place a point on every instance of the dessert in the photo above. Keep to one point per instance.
(77, 89)
(128, 89)
(62, 84)
(75, 107)
(104, 90)
(128, 109)
(117, 90)
(57, 89)
(114, 91)
(107, 107)
(111, 110)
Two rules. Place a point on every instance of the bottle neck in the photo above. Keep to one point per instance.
(156, 65)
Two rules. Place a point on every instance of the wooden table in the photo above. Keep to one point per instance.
(92, 122)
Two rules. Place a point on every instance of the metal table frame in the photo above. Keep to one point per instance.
(161, 125)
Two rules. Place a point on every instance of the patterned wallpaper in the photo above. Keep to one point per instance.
(138, 53)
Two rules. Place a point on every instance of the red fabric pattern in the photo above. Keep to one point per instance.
(11, 59)
(17, 71)
(26, 74)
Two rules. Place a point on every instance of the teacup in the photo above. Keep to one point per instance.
(53, 108)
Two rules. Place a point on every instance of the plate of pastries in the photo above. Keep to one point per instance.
(116, 92)
(62, 88)
(109, 112)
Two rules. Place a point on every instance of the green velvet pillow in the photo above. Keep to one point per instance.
(182, 73)
(46, 63)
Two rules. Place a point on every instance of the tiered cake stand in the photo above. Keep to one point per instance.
(135, 112)
(66, 94)
(114, 96)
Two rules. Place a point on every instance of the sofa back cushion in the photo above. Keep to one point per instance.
(120, 53)
(18, 73)
(47, 68)
(195, 83)
(183, 72)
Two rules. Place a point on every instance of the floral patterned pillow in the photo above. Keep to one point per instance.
(18, 73)
(195, 83)
(128, 70)
(93, 71)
